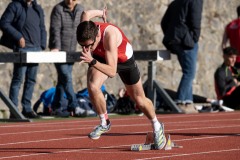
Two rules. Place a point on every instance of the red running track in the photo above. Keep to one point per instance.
(205, 136)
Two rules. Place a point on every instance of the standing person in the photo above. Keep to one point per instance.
(65, 18)
(227, 79)
(107, 51)
(232, 34)
(24, 30)
(181, 25)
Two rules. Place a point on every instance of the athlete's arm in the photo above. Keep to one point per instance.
(89, 14)
(110, 45)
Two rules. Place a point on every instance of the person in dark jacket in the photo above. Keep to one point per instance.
(24, 30)
(181, 25)
(65, 18)
(227, 79)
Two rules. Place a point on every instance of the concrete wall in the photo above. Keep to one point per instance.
(140, 20)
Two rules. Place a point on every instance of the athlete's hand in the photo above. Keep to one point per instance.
(86, 55)
(104, 16)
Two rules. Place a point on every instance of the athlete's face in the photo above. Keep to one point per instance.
(92, 43)
(88, 44)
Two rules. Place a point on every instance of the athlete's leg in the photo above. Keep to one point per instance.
(137, 94)
(95, 80)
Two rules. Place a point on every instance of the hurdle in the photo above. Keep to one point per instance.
(150, 85)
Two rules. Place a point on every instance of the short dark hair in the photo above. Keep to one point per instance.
(86, 30)
(230, 51)
(238, 11)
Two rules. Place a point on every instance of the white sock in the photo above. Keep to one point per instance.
(155, 124)
(103, 119)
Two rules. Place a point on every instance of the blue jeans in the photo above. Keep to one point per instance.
(29, 71)
(64, 85)
(188, 61)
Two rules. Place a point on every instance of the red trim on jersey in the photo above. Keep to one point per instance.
(100, 51)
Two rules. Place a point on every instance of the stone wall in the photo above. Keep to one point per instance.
(140, 20)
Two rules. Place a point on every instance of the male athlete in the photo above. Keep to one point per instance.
(107, 51)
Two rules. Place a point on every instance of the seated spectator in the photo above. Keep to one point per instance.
(227, 84)
(46, 99)
(83, 100)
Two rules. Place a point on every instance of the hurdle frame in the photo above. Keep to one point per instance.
(151, 86)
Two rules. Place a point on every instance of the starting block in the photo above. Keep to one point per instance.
(170, 144)
(149, 144)
(142, 147)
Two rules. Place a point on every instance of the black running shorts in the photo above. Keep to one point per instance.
(128, 71)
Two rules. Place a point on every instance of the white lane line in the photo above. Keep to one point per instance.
(120, 119)
(109, 147)
(68, 151)
(44, 131)
(210, 137)
(132, 133)
(45, 140)
(191, 154)
(203, 138)
(196, 128)
(36, 125)
(115, 126)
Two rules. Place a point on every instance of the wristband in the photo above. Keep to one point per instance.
(93, 62)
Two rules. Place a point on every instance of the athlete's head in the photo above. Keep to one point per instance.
(86, 33)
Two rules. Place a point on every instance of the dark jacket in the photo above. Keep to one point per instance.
(12, 22)
(63, 27)
(224, 80)
(181, 24)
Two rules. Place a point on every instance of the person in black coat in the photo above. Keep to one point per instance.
(181, 25)
(23, 27)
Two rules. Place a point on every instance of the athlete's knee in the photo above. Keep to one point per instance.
(93, 88)
(144, 102)
(139, 101)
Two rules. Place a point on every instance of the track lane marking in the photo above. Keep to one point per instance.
(130, 144)
(109, 147)
(132, 125)
(80, 137)
(191, 154)
(68, 151)
(123, 119)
